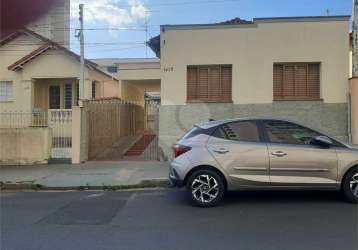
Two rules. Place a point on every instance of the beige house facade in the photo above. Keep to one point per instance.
(289, 67)
(38, 74)
(39, 89)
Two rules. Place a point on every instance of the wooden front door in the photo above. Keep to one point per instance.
(55, 97)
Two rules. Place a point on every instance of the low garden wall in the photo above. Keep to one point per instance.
(24, 146)
(176, 120)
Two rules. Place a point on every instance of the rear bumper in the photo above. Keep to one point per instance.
(174, 179)
(175, 182)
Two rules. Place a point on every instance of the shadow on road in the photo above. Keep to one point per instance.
(277, 196)
(266, 197)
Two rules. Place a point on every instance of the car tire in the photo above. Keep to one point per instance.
(350, 185)
(206, 188)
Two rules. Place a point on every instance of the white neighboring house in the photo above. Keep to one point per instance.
(55, 24)
(139, 77)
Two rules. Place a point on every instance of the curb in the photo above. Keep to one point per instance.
(155, 183)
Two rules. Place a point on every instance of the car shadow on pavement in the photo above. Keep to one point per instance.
(270, 197)
(282, 196)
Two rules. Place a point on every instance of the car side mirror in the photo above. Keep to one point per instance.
(322, 141)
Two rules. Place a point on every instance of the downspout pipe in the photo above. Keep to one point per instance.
(349, 121)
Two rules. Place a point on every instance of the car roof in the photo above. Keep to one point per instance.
(214, 123)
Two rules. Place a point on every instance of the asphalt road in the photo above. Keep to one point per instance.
(165, 219)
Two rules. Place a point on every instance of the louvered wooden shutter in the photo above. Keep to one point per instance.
(192, 83)
(215, 90)
(277, 81)
(226, 83)
(313, 81)
(296, 81)
(203, 80)
(210, 83)
(288, 87)
(301, 81)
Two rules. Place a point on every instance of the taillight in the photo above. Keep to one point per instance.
(180, 149)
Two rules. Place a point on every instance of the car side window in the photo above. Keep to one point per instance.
(288, 133)
(238, 131)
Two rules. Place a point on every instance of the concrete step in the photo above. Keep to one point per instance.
(138, 148)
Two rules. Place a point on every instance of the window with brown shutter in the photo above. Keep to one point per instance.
(296, 81)
(209, 83)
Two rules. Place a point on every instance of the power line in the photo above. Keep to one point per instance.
(88, 43)
(192, 3)
(73, 47)
(121, 49)
(166, 4)
(55, 22)
(129, 28)
(74, 17)
(90, 29)
(93, 51)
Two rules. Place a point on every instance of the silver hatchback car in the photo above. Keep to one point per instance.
(253, 153)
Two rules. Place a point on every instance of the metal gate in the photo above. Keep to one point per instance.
(151, 130)
(151, 117)
(60, 121)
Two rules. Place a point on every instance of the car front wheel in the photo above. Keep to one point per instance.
(350, 185)
(206, 188)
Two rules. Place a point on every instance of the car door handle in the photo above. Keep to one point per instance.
(279, 154)
(221, 150)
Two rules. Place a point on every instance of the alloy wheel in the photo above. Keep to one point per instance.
(353, 184)
(205, 188)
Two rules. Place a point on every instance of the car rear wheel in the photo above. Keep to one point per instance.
(350, 185)
(206, 188)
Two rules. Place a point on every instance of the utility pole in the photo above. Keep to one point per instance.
(82, 61)
(355, 39)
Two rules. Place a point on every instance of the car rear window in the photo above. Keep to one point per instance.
(193, 132)
(238, 131)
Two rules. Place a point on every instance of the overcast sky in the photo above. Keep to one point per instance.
(119, 25)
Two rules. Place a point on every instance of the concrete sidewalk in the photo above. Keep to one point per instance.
(90, 175)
